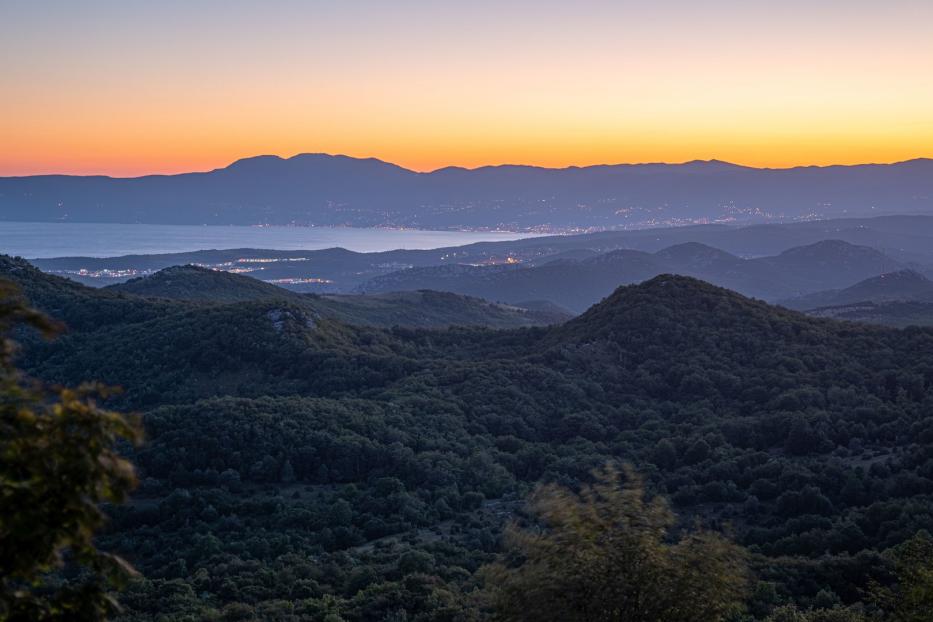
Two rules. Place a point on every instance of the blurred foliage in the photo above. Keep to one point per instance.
(910, 598)
(57, 465)
(606, 553)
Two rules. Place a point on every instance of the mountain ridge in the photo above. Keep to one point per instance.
(455, 167)
(326, 189)
(577, 284)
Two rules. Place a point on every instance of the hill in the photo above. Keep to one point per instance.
(546, 307)
(372, 470)
(901, 285)
(78, 306)
(181, 288)
(752, 278)
(830, 263)
(201, 284)
(897, 313)
(427, 309)
(337, 190)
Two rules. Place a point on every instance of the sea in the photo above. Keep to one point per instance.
(34, 240)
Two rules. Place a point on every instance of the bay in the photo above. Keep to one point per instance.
(53, 239)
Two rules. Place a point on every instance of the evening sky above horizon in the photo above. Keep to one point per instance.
(128, 88)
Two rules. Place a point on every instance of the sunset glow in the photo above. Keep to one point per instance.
(99, 88)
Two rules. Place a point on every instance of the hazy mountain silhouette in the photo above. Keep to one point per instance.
(328, 190)
(576, 285)
(828, 264)
(902, 285)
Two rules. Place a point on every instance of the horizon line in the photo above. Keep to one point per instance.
(475, 168)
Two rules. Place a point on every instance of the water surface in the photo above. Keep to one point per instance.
(44, 239)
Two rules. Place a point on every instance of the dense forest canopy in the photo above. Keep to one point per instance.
(300, 468)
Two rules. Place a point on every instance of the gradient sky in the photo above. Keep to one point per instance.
(130, 87)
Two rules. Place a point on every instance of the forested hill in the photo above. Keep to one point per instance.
(421, 308)
(191, 282)
(183, 288)
(321, 468)
(80, 307)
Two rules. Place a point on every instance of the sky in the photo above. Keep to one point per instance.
(131, 87)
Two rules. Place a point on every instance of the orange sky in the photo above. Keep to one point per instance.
(130, 88)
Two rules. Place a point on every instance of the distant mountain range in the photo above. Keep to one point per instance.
(338, 190)
(903, 240)
(572, 272)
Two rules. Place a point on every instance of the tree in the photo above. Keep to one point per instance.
(791, 613)
(698, 452)
(605, 554)
(665, 454)
(802, 439)
(57, 465)
(911, 599)
(287, 476)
